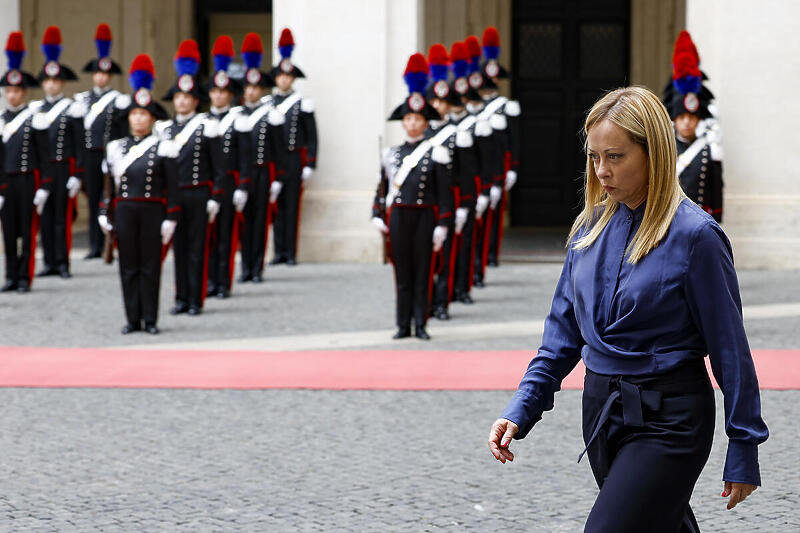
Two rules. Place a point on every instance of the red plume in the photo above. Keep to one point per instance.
(473, 46)
(685, 64)
(286, 38)
(252, 43)
(188, 48)
(491, 37)
(684, 43)
(143, 62)
(416, 63)
(15, 42)
(103, 32)
(437, 55)
(223, 46)
(458, 52)
(52, 35)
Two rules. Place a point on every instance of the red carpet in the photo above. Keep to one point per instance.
(383, 370)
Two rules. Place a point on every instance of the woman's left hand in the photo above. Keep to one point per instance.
(737, 492)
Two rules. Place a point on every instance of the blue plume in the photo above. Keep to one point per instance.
(103, 48)
(474, 64)
(460, 67)
(439, 72)
(51, 51)
(139, 79)
(416, 81)
(14, 59)
(186, 65)
(491, 52)
(221, 62)
(687, 84)
(286, 51)
(252, 59)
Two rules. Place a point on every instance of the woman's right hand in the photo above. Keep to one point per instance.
(500, 437)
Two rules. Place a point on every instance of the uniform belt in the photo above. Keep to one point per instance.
(648, 392)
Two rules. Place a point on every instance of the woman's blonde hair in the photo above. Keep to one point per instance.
(642, 115)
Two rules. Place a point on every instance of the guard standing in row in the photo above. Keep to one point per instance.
(697, 132)
(461, 172)
(63, 167)
(22, 193)
(300, 140)
(195, 136)
(102, 123)
(510, 110)
(222, 91)
(418, 203)
(266, 155)
(143, 204)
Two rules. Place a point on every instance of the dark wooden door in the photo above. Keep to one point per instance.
(566, 54)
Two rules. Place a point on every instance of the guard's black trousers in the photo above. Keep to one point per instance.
(648, 438)
(483, 228)
(494, 237)
(53, 226)
(254, 236)
(445, 268)
(138, 227)
(17, 219)
(284, 230)
(93, 185)
(411, 233)
(189, 247)
(464, 256)
(220, 261)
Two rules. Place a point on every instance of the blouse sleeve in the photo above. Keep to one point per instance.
(712, 291)
(559, 353)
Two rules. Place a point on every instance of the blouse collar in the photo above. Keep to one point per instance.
(637, 213)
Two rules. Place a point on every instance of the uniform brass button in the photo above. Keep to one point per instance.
(419, 202)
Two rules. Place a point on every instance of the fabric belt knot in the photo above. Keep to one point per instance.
(633, 397)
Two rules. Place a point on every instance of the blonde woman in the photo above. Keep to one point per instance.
(647, 290)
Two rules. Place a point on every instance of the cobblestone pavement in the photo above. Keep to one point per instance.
(177, 460)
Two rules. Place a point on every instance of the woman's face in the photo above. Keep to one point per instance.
(619, 163)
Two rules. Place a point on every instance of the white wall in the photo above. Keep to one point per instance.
(10, 22)
(353, 53)
(750, 52)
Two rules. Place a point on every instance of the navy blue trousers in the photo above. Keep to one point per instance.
(648, 438)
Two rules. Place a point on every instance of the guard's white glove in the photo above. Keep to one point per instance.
(480, 205)
(380, 224)
(495, 194)
(511, 179)
(167, 230)
(439, 236)
(239, 199)
(461, 218)
(274, 191)
(73, 186)
(105, 225)
(307, 171)
(39, 199)
(2, 201)
(212, 208)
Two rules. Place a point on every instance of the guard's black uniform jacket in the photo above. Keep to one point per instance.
(145, 193)
(462, 171)
(701, 179)
(266, 162)
(234, 163)
(415, 207)
(103, 121)
(200, 174)
(300, 140)
(65, 159)
(24, 147)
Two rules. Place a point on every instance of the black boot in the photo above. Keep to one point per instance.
(420, 333)
(402, 333)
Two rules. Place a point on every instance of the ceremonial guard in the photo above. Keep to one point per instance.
(461, 172)
(195, 136)
(472, 196)
(510, 111)
(418, 202)
(697, 132)
(142, 207)
(102, 123)
(63, 167)
(223, 90)
(493, 150)
(21, 184)
(300, 140)
(266, 156)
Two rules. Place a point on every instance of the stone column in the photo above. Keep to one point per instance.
(749, 51)
(354, 54)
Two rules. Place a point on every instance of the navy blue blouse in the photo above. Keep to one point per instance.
(679, 303)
